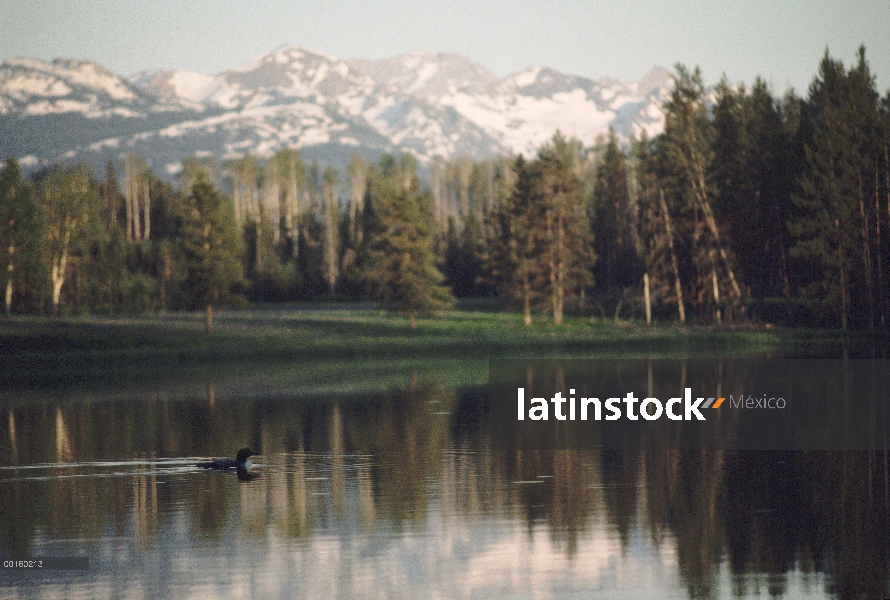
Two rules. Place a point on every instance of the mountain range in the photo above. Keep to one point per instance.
(430, 104)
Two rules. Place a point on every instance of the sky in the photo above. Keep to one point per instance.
(780, 40)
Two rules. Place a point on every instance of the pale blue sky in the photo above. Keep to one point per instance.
(781, 41)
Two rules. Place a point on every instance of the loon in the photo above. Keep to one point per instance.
(222, 464)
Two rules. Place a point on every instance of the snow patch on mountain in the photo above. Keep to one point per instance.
(427, 75)
(428, 103)
(33, 87)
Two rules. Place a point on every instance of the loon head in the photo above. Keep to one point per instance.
(243, 455)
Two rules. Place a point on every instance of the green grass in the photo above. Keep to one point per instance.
(315, 348)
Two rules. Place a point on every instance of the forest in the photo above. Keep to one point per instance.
(746, 208)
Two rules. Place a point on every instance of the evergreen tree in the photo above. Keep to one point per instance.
(212, 249)
(463, 266)
(515, 244)
(882, 210)
(568, 255)
(686, 155)
(833, 228)
(401, 265)
(865, 118)
(612, 219)
(753, 184)
(656, 232)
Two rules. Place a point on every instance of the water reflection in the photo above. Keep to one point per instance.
(398, 496)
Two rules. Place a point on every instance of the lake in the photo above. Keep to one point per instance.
(397, 494)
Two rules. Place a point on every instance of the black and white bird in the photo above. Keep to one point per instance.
(240, 462)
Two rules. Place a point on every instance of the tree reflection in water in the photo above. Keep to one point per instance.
(416, 461)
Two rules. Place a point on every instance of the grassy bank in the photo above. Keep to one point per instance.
(313, 347)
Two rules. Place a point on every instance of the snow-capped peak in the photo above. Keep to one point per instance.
(428, 103)
(62, 76)
(428, 75)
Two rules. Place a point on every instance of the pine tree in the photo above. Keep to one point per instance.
(516, 243)
(865, 122)
(753, 184)
(568, 255)
(882, 210)
(400, 267)
(211, 247)
(463, 266)
(655, 231)
(687, 156)
(612, 220)
(832, 229)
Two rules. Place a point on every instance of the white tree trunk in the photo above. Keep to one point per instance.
(646, 298)
(8, 297)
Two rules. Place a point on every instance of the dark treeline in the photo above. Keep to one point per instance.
(746, 206)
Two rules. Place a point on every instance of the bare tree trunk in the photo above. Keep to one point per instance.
(556, 264)
(293, 203)
(527, 302)
(137, 226)
(712, 225)
(647, 301)
(716, 287)
(464, 175)
(559, 296)
(146, 203)
(678, 288)
(697, 176)
(358, 175)
(330, 247)
(8, 296)
(258, 246)
(619, 306)
(57, 274)
(438, 198)
(128, 193)
(272, 198)
(238, 202)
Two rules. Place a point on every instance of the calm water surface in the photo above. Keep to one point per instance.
(396, 495)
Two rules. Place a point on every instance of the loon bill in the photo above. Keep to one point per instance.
(222, 464)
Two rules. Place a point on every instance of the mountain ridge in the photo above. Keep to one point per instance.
(427, 103)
